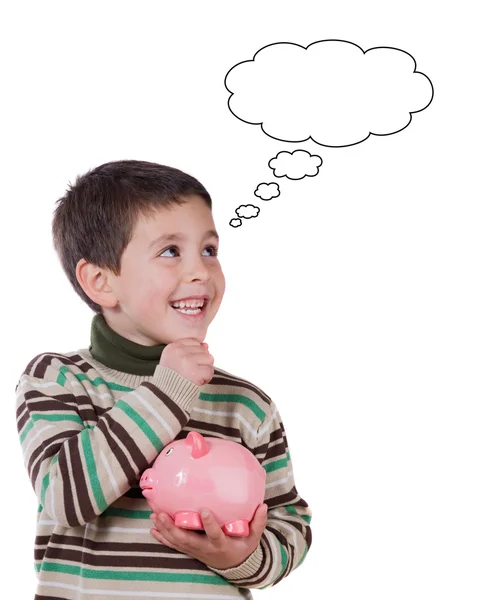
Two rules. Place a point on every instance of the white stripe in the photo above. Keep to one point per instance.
(266, 426)
(35, 437)
(274, 546)
(96, 528)
(131, 593)
(279, 481)
(225, 413)
(37, 384)
(110, 474)
(157, 416)
(119, 529)
(102, 395)
(52, 493)
(285, 523)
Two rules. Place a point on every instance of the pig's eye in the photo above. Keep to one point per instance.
(169, 452)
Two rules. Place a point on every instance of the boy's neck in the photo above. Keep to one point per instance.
(118, 352)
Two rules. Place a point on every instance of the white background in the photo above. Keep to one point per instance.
(360, 300)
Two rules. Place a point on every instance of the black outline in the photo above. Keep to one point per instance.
(252, 217)
(310, 138)
(295, 178)
(266, 199)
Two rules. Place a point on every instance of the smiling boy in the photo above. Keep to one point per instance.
(136, 238)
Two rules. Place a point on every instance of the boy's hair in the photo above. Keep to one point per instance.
(96, 218)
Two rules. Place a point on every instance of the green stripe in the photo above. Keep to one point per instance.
(134, 415)
(95, 382)
(57, 417)
(126, 513)
(275, 465)
(177, 577)
(44, 487)
(284, 562)
(46, 480)
(27, 429)
(237, 398)
(92, 470)
(291, 509)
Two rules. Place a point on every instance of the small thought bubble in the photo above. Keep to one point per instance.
(247, 211)
(295, 165)
(267, 191)
(331, 91)
(235, 222)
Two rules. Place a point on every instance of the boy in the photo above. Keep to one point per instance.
(131, 237)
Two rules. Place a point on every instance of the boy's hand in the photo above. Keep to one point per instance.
(190, 358)
(215, 549)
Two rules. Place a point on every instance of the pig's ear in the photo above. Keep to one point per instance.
(198, 444)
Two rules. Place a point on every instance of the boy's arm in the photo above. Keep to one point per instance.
(287, 536)
(77, 471)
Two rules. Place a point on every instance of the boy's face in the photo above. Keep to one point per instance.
(153, 275)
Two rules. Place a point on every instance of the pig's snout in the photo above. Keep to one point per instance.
(147, 480)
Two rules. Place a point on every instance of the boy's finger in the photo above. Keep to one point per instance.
(259, 522)
(211, 526)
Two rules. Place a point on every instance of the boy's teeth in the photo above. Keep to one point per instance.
(188, 304)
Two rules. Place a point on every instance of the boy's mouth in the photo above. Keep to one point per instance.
(189, 310)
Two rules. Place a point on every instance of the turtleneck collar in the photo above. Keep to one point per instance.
(120, 353)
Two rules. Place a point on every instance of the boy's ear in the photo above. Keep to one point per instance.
(94, 281)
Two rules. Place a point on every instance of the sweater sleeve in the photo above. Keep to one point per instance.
(76, 469)
(287, 536)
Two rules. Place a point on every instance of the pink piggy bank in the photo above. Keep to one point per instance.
(200, 472)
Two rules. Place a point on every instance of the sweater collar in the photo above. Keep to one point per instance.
(120, 353)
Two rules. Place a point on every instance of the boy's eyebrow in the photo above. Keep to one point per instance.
(176, 237)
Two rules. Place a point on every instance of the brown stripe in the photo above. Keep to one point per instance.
(300, 502)
(46, 450)
(134, 492)
(68, 499)
(42, 403)
(193, 425)
(109, 427)
(136, 455)
(230, 432)
(81, 490)
(21, 408)
(46, 361)
(221, 379)
(179, 414)
(266, 566)
(289, 549)
(22, 421)
(308, 537)
(275, 451)
(130, 560)
(283, 499)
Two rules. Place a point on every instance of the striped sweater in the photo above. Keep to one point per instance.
(90, 422)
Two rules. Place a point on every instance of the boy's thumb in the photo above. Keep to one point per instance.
(260, 519)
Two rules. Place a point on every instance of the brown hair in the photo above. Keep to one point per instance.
(96, 217)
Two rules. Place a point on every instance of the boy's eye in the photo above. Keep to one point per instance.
(175, 248)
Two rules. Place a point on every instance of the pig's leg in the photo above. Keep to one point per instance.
(238, 528)
(188, 520)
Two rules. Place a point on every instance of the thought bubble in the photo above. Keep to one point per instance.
(267, 191)
(332, 91)
(247, 211)
(295, 165)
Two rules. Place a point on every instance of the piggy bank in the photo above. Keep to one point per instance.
(205, 472)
